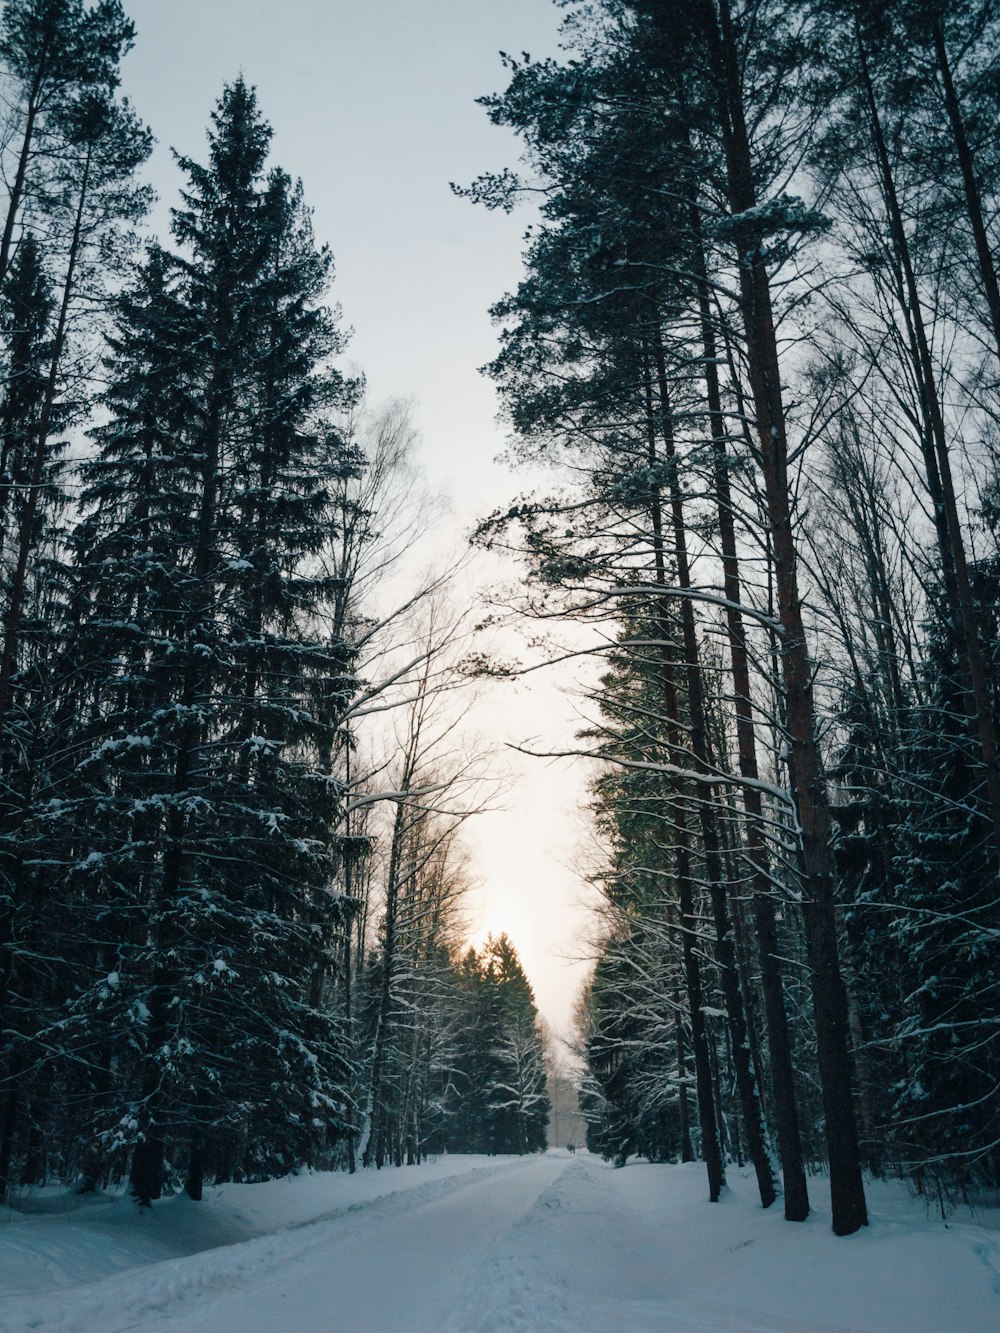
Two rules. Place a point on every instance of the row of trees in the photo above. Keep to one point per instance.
(758, 343)
(455, 1054)
(462, 1060)
(208, 941)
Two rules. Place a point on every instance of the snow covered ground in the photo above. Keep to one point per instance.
(478, 1245)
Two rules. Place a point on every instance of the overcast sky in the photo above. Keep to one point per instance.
(373, 105)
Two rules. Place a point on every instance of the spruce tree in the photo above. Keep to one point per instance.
(214, 673)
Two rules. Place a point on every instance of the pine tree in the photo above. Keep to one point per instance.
(617, 279)
(55, 55)
(58, 295)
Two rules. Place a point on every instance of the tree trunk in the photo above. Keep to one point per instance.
(17, 189)
(711, 1148)
(686, 1151)
(26, 530)
(746, 1075)
(973, 198)
(8, 1121)
(940, 483)
(373, 1142)
(349, 1021)
(195, 1181)
(808, 782)
(796, 1194)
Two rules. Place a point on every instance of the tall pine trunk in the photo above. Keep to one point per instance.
(371, 1144)
(937, 462)
(805, 766)
(26, 527)
(710, 1144)
(746, 1076)
(779, 1044)
(970, 186)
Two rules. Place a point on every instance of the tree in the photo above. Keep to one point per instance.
(55, 56)
(83, 203)
(210, 502)
(618, 233)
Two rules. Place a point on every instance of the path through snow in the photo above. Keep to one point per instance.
(477, 1245)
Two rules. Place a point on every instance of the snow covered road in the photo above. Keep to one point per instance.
(477, 1245)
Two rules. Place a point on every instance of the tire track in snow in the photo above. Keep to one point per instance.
(400, 1269)
(151, 1293)
(578, 1261)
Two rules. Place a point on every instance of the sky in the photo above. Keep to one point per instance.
(373, 104)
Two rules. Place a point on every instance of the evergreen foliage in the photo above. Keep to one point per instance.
(500, 1101)
(184, 627)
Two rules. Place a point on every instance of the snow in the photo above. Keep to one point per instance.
(480, 1245)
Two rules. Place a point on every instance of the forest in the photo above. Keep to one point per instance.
(756, 348)
(752, 367)
(230, 905)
